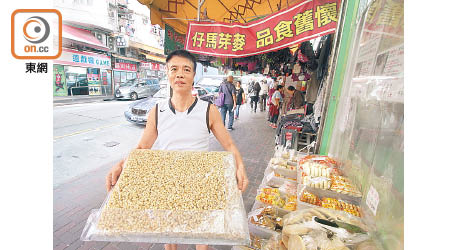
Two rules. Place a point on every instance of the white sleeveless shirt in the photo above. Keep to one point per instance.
(186, 131)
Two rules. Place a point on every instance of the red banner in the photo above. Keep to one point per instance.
(125, 66)
(299, 23)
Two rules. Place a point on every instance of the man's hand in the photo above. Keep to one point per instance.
(113, 175)
(241, 177)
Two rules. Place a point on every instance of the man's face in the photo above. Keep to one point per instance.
(180, 73)
(230, 79)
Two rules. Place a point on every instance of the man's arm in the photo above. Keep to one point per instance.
(224, 138)
(148, 138)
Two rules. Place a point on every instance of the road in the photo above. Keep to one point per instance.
(88, 136)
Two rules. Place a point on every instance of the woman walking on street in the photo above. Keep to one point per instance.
(240, 99)
(274, 108)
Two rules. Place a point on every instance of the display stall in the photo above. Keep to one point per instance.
(307, 202)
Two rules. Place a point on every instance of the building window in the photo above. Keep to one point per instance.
(122, 51)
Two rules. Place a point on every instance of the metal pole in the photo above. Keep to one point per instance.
(200, 3)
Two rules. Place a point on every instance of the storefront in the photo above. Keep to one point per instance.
(81, 73)
(124, 70)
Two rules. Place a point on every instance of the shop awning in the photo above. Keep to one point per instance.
(155, 58)
(82, 36)
(177, 14)
(126, 58)
(146, 47)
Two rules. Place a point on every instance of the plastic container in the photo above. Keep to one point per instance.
(321, 194)
(227, 226)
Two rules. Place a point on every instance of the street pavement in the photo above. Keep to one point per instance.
(90, 135)
(74, 200)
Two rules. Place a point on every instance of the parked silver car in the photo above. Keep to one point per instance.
(137, 88)
(138, 111)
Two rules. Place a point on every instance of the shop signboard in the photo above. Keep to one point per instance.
(173, 40)
(122, 65)
(146, 65)
(301, 22)
(83, 59)
(59, 81)
(95, 90)
(155, 66)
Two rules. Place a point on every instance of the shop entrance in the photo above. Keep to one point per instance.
(76, 79)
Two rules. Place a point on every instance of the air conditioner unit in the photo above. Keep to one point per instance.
(110, 40)
(110, 43)
(111, 47)
(101, 37)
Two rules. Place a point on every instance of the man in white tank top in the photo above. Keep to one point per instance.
(183, 123)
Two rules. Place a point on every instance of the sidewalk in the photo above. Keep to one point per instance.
(73, 201)
(66, 100)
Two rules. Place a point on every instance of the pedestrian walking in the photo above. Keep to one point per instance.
(253, 91)
(229, 91)
(179, 123)
(274, 108)
(240, 99)
(263, 95)
(272, 90)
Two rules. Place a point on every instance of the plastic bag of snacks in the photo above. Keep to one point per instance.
(173, 197)
(322, 173)
(319, 228)
(272, 196)
(266, 217)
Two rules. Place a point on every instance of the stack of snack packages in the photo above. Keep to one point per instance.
(276, 197)
(320, 176)
(289, 188)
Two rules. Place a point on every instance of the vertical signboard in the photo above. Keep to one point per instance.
(59, 81)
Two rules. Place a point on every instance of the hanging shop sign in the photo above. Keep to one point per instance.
(173, 40)
(299, 23)
(83, 59)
